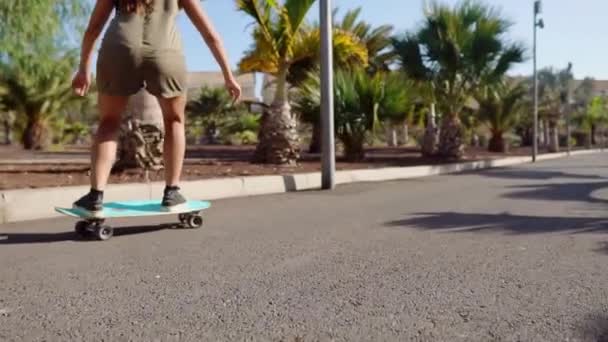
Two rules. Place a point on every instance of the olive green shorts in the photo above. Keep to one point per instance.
(122, 71)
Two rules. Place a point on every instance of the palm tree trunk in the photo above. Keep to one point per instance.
(553, 136)
(431, 139)
(315, 142)
(406, 134)
(211, 133)
(526, 136)
(278, 137)
(451, 137)
(545, 133)
(497, 143)
(391, 136)
(7, 126)
(142, 134)
(475, 140)
(33, 134)
(353, 147)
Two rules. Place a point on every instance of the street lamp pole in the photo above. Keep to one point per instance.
(537, 23)
(328, 181)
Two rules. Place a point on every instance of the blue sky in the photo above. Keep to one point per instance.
(575, 30)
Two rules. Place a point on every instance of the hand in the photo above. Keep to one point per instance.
(234, 89)
(81, 82)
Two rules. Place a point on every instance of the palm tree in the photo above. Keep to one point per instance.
(426, 102)
(583, 97)
(398, 104)
(594, 115)
(7, 118)
(356, 44)
(277, 30)
(7, 127)
(210, 108)
(553, 86)
(282, 40)
(377, 40)
(499, 108)
(457, 50)
(524, 128)
(361, 102)
(548, 105)
(37, 88)
(36, 62)
(349, 51)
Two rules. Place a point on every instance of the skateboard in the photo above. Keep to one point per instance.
(188, 215)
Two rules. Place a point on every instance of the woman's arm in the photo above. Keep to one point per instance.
(203, 25)
(82, 79)
(101, 13)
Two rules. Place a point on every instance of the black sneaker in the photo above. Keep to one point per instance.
(173, 200)
(92, 203)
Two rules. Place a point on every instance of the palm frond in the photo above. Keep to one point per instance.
(297, 10)
(261, 12)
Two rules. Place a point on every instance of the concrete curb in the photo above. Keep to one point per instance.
(30, 204)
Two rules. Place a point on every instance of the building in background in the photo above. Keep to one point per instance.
(600, 87)
(198, 79)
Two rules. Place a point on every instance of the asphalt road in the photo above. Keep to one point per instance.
(516, 254)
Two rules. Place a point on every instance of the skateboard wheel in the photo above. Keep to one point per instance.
(195, 221)
(81, 228)
(104, 233)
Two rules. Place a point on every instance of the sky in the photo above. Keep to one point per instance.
(575, 30)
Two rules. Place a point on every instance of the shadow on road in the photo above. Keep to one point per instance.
(534, 174)
(516, 224)
(576, 192)
(594, 328)
(33, 238)
(586, 192)
(602, 247)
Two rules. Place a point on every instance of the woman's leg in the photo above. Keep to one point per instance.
(104, 146)
(175, 137)
(103, 151)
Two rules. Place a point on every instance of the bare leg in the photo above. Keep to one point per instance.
(104, 146)
(175, 137)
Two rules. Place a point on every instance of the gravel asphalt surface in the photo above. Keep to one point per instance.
(514, 254)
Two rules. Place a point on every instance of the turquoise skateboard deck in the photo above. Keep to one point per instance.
(188, 214)
(134, 209)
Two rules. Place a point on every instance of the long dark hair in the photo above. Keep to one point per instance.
(130, 6)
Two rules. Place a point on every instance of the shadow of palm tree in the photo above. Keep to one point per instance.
(515, 224)
(582, 192)
(602, 247)
(586, 192)
(34, 238)
(534, 174)
(577, 167)
(594, 328)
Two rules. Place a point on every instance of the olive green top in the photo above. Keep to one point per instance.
(146, 32)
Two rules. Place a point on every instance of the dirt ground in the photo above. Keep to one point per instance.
(203, 162)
